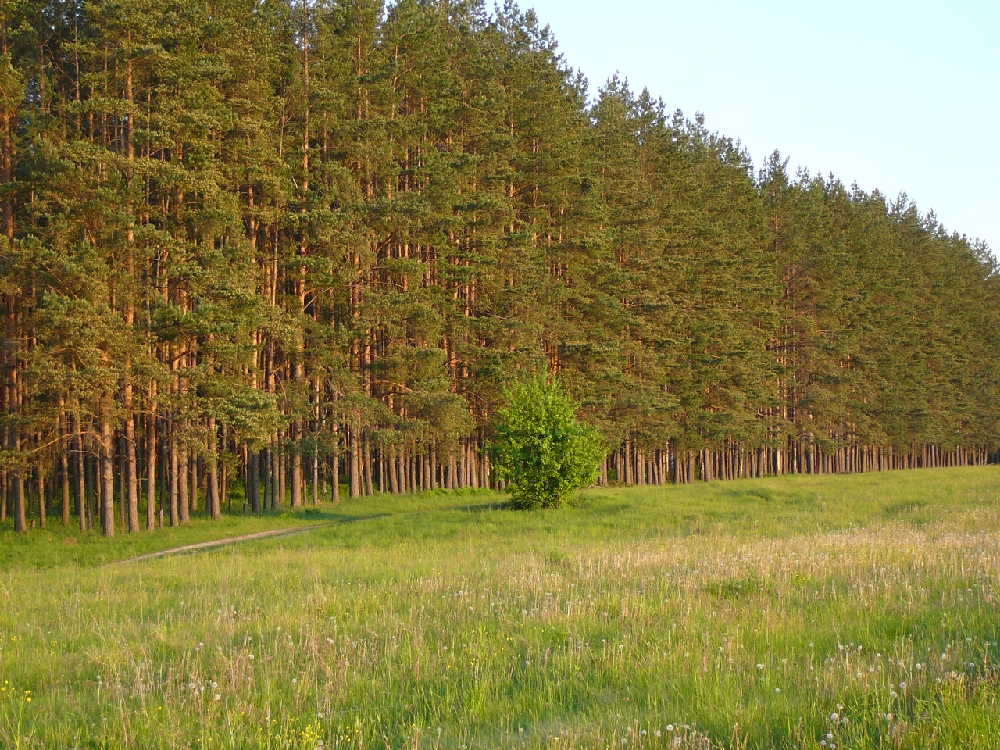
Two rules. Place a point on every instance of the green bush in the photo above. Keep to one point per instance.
(542, 451)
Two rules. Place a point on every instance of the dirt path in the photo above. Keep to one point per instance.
(275, 533)
(231, 540)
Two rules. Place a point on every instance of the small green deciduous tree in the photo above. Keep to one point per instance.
(541, 450)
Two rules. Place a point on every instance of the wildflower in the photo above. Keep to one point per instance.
(670, 727)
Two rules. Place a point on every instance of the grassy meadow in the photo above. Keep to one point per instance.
(797, 612)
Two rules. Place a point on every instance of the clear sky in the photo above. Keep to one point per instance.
(891, 94)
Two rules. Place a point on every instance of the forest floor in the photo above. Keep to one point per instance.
(819, 612)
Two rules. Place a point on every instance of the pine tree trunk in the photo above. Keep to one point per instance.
(253, 481)
(269, 478)
(393, 476)
(272, 477)
(183, 486)
(66, 493)
(64, 447)
(355, 461)
(214, 503)
(18, 502)
(315, 476)
(151, 461)
(335, 471)
(175, 467)
(282, 466)
(193, 478)
(367, 454)
(297, 467)
(81, 475)
(107, 473)
(42, 509)
(132, 475)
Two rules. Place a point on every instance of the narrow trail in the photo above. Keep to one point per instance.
(274, 533)
(277, 533)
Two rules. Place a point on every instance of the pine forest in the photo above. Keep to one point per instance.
(261, 253)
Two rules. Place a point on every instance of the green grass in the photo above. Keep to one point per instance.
(57, 545)
(859, 611)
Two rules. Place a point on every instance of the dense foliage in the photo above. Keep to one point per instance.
(270, 244)
(541, 450)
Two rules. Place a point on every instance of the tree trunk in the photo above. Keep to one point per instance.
(20, 507)
(253, 481)
(315, 476)
(297, 468)
(214, 503)
(81, 475)
(183, 500)
(193, 478)
(42, 510)
(175, 466)
(151, 460)
(107, 478)
(132, 476)
(335, 470)
(367, 455)
(66, 493)
(355, 461)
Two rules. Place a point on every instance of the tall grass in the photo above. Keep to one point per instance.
(814, 612)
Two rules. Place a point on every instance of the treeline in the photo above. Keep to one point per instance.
(264, 247)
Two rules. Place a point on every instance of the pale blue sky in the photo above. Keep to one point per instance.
(893, 95)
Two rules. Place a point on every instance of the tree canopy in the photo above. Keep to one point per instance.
(272, 244)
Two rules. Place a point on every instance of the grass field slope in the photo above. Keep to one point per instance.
(800, 612)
